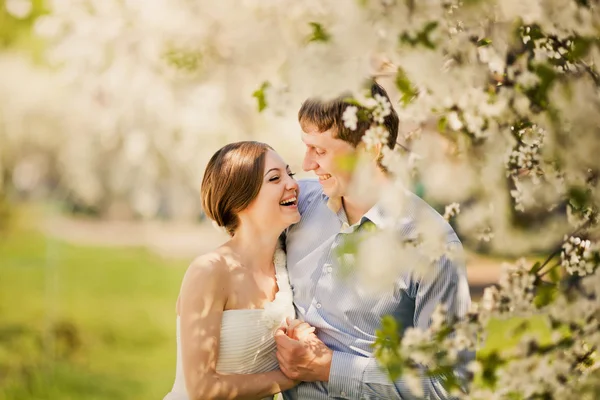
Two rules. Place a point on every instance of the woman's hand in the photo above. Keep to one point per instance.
(298, 330)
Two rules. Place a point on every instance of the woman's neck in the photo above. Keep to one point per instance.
(255, 247)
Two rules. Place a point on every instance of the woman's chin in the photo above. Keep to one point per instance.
(291, 218)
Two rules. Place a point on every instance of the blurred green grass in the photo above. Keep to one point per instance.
(89, 322)
(85, 322)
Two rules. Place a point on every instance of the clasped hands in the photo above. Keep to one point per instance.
(302, 355)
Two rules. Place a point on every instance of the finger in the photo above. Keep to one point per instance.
(280, 330)
(303, 326)
(306, 333)
(302, 330)
(292, 325)
(283, 341)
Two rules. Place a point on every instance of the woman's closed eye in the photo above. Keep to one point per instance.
(275, 178)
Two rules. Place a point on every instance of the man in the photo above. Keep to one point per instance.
(340, 363)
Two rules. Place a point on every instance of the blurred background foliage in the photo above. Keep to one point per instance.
(16, 33)
(77, 322)
(88, 321)
(83, 322)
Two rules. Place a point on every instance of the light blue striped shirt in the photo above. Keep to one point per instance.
(345, 315)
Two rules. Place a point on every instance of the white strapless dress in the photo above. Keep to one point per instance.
(247, 345)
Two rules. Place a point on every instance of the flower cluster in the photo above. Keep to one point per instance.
(579, 256)
(382, 109)
(376, 135)
(451, 211)
(515, 291)
(349, 117)
(525, 158)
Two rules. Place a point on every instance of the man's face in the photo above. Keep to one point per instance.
(328, 158)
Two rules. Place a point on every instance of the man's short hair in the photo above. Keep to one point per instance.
(328, 114)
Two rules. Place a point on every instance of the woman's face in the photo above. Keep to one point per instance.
(277, 202)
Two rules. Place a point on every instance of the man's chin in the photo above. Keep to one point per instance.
(332, 192)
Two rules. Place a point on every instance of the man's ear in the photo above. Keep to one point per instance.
(373, 153)
(377, 151)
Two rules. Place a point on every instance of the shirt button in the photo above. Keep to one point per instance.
(343, 394)
(329, 269)
(318, 305)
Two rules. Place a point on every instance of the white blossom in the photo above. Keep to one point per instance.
(579, 256)
(382, 109)
(376, 135)
(19, 8)
(454, 121)
(451, 211)
(349, 117)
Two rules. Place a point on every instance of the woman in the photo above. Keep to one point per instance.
(233, 299)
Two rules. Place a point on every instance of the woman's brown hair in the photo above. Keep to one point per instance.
(232, 179)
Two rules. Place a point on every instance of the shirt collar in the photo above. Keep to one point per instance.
(376, 214)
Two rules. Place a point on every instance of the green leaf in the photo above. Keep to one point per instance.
(186, 60)
(422, 37)
(484, 42)
(545, 294)
(387, 347)
(260, 96)
(347, 162)
(555, 275)
(319, 34)
(405, 87)
(490, 364)
(581, 47)
(535, 268)
(442, 124)
(579, 197)
(539, 94)
(369, 226)
(345, 253)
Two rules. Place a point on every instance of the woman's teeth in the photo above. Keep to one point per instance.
(288, 202)
(324, 177)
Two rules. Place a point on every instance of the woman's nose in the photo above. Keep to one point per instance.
(292, 184)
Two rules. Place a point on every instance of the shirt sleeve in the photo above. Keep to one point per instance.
(357, 377)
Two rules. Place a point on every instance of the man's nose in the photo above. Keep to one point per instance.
(309, 164)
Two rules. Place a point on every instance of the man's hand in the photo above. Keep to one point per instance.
(302, 356)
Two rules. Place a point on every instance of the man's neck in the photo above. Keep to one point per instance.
(356, 203)
(354, 209)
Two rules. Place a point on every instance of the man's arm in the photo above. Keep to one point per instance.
(355, 377)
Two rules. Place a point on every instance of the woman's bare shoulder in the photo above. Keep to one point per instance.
(216, 264)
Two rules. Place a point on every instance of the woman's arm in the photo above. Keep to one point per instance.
(201, 302)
